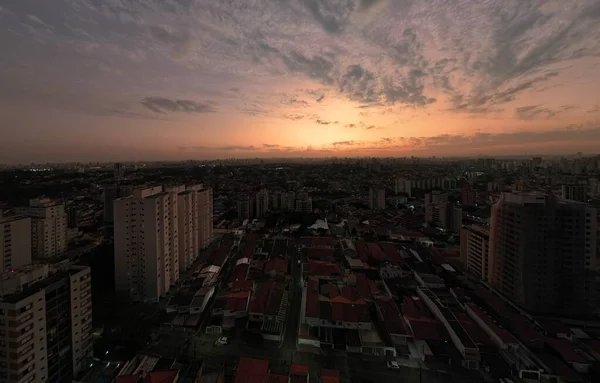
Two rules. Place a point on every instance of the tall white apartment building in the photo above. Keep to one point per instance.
(157, 234)
(189, 232)
(45, 324)
(48, 227)
(146, 243)
(205, 215)
(15, 243)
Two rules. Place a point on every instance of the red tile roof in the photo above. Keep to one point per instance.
(299, 369)
(249, 248)
(320, 253)
(392, 319)
(363, 286)
(504, 335)
(252, 370)
(392, 253)
(239, 273)
(237, 301)
(169, 376)
(362, 250)
(279, 265)
(330, 376)
(273, 378)
(476, 333)
(128, 378)
(242, 285)
(319, 242)
(376, 252)
(567, 350)
(422, 322)
(323, 268)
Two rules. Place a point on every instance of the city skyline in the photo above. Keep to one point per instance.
(86, 80)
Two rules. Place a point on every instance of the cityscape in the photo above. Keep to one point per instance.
(330, 270)
(299, 191)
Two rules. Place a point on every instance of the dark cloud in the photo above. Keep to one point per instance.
(293, 116)
(344, 143)
(165, 105)
(531, 112)
(270, 146)
(332, 15)
(350, 126)
(233, 148)
(481, 140)
(321, 122)
(320, 98)
(370, 127)
(180, 41)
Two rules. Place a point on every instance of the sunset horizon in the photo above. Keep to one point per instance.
(86, 80)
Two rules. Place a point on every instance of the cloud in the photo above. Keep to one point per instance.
(293, 116)
(180, 40)
(350, 126)
(224, 148)
(165, 105)
(594, 109)
(321, 122)
(37, 21)
(344, 143)
(320, 98)
(270, 146)
(531, 112)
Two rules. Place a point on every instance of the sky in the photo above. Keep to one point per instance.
(118, 80)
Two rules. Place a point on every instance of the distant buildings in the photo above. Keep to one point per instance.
(48, 227)
(377, 198)
(442, 213)
(46, 319)
(543, 252)
(15, 243)
(303, 203)
(262, 203)
(575, 192)
(157, 234)
(475, 249)
(409, 185)
(244, 207)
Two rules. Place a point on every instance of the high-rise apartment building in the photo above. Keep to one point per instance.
(543, 252)
(262, 203)
(376, 198)
(157, 234)
(468, 196)
(290, 201)
(244, 207)
(112, 193)
(146, 243)
(205, 215)
(304, 203)
(575, 192)
(45, 324)
(119, 171)
(474, 250)
(15, 243)
(48, 227)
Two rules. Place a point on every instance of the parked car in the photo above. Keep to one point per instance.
(393, 365)
(222, 341)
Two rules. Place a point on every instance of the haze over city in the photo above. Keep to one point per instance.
(99, 80)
